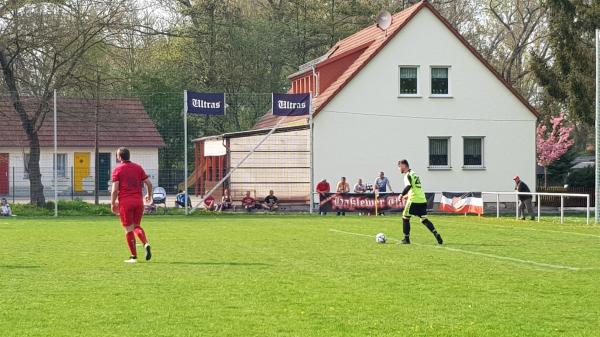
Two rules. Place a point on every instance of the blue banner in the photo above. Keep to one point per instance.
(204, 103)
(291, 104)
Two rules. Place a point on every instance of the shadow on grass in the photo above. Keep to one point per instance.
(234, 264)
(18, 267)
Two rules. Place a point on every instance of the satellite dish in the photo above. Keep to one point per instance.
(384, 20)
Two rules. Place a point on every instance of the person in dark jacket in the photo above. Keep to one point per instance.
(524, 199)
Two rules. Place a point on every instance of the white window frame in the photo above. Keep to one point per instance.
(474, 167)
(66, 161)
(449, 94)
(439, 167)
(418, 94)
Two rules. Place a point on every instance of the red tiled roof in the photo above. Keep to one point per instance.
(376, 40)
(373, 41)
(268, 120)
(121, 122)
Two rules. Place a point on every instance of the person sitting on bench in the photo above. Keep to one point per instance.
(180, 200)
(209, 203)
(271, 202)
(5, 208)
(248, 202)
(225, 201)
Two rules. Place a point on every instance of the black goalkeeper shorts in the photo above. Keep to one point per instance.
(416, 209)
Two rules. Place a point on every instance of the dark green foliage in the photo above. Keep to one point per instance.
(66, 208)
(568, 76)
(79, 207)
(558, 171)
(582, 178)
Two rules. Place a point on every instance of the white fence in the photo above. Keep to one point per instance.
(539, 203)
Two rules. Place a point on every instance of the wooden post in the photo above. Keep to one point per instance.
(195, 169)
(214, 168)
(201, 168)
(13, 184)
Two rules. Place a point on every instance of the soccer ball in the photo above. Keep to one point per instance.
(380, 238)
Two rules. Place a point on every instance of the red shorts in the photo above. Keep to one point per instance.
(131, 212)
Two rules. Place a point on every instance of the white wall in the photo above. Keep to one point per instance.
(367, 128)
(147, 157)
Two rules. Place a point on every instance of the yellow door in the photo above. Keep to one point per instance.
(81, 170)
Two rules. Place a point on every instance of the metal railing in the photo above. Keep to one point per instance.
(539, 203)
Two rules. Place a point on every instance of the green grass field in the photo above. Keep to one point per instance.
(299, 276)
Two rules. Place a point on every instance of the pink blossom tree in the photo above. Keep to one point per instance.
(552, 144)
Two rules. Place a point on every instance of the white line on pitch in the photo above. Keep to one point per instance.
(498, 257)
(547, 230)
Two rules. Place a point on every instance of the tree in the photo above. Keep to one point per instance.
(42, 45)
(519, 28)
(552, 144)
(567, 72)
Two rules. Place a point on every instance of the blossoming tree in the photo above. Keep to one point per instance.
(553, 143)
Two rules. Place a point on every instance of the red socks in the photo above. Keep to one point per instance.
(139, 231)
(130, 238)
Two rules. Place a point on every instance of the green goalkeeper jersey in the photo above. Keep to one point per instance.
(415, 192)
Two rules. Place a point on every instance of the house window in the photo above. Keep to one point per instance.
(409, 83)
(473, 152)
(439, 152)
(61, 165)
(440, 81)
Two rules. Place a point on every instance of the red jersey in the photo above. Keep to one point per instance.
(130, 177)
(209, 200)
(248, 200)
(323, 187)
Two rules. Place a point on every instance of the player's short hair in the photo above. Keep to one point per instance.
(403, 162)
(123, 152)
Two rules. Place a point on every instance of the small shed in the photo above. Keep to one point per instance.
(281, 163)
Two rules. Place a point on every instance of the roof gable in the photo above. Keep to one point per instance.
(399, 21)
(121, 122)
(375, 40)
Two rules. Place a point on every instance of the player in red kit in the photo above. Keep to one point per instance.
(127, 201)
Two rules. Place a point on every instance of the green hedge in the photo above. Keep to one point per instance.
(79, 207)
(76, 207)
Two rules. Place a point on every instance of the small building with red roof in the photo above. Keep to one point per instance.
(417, 91)
(120, 121)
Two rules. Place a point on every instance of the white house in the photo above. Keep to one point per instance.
(121, 122)
(417, 91)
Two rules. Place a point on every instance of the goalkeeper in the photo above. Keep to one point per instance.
(416, 203)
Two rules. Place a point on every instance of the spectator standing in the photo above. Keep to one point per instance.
(524, 199)
(248, 202)
(271, 202)
(382, 183)
(5, 208)
(323, 188)
(342, 187)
